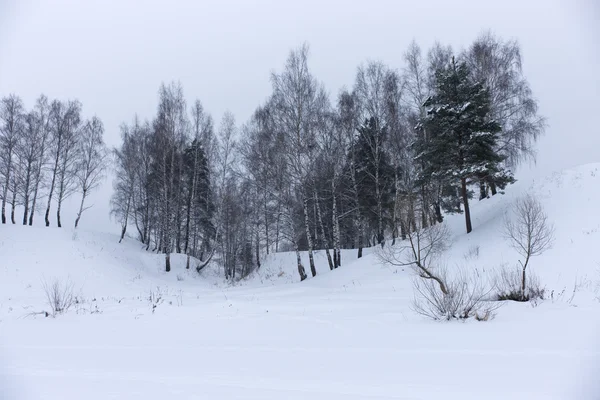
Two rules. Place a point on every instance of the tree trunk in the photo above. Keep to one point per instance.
(301, 270)
(482, 190)
(438, 213)
(309, 240)
(32, 210)
(83, 195)
(266, 220)
(58, 213)
(493, 187)
(336, 227)
(322, 226)
(258, 244)
(277, 222)
(26, 192)
(13, 204)
(378, 194)
(523, 286)
(168, 261)
(7, 184)
(124, 224)
(463, 190)
(53, 182)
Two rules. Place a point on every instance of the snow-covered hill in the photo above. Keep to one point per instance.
(345, 334)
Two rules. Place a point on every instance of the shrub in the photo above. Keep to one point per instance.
(508, 286)
(59, 296)
(466, 296)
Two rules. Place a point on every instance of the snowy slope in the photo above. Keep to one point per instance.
(346, 334)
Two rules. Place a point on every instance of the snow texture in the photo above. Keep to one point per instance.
(345, 334)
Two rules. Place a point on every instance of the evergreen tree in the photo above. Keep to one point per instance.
(461, 142)
(375, 176)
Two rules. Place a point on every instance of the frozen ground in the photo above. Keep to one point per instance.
(346, 334)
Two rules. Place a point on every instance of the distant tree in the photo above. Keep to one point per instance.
(92, 161)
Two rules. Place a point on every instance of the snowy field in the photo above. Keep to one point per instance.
(346, 334)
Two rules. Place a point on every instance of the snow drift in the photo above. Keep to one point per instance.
(139, 332)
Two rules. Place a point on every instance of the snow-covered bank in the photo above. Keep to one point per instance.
(346, 334)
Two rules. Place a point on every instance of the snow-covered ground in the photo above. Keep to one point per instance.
(346, 334)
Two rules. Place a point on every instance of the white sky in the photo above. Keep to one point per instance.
(113, 55)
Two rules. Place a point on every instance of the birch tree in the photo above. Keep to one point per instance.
(11, 118)
(299, 99)
(92, 161)
(42, 110)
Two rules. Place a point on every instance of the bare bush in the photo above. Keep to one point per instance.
(466, 296)
(420, 251)
(529, 232)
(155, 298)
(472, 253)
(59, 296)
(508, 286)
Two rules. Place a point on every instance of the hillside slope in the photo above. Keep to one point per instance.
(141, 333)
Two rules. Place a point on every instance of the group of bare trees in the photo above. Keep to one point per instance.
(307, 172)
(47, 154)
(163, 170)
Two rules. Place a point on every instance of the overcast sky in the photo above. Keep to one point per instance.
(113, 55)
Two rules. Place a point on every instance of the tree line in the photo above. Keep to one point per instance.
(46, 155)
(392, 154)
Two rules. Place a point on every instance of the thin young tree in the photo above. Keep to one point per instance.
(529, 232)
(92, 161)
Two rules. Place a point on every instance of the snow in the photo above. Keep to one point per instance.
(346, 334)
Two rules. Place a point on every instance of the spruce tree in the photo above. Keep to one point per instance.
(459, 147)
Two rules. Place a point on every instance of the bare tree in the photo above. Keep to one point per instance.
(92, 161)
(64, 125)
(11, 118)
(529, 232)
(370, 88)
(298, 100)
(498, 64)
(68, 157)
(170, 132)
(28, 155)
(420, 251)
(42, 110)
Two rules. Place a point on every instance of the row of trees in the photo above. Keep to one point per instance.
(46, 155)
(387, 157)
